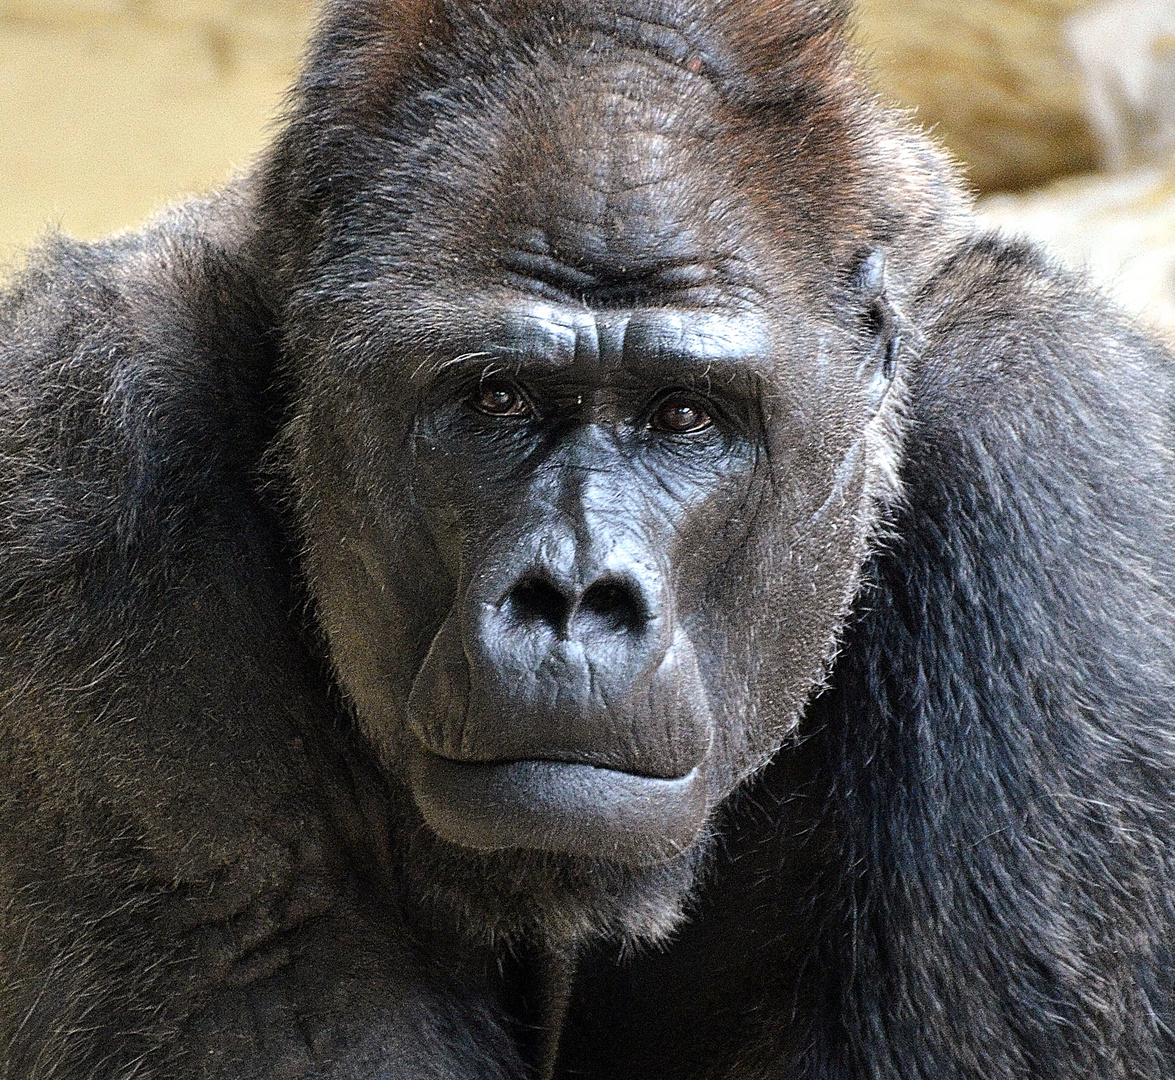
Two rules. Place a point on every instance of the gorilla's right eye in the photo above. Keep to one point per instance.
(680, 414)
(499, 398)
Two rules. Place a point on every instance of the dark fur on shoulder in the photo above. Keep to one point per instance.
(548, 338)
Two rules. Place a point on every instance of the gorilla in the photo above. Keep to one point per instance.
(586, 562)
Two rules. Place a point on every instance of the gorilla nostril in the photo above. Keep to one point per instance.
(536, 600)
(615, 605)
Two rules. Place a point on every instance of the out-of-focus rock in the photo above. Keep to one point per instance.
(1125, 50)
(1025, 91)
(1120, 227)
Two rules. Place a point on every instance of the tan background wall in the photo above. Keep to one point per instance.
(109, 108)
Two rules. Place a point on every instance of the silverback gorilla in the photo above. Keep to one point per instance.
(587, 563)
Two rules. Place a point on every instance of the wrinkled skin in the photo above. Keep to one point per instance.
(586, 563)
(581, 533)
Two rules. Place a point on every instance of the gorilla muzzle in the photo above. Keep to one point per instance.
(564, 712)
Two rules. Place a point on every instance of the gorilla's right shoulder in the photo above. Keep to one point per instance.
(134, 391)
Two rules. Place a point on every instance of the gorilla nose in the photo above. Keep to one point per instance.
(608, 606)
(572, 664)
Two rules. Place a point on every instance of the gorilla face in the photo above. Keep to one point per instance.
(578, 488)
(588, 458)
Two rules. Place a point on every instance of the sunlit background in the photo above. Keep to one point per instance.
(1062, 110)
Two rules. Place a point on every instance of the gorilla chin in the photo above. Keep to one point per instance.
(559, 807)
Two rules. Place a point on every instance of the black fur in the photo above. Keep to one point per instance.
(928, 579)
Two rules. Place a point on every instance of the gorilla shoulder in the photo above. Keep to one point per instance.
(135, 373)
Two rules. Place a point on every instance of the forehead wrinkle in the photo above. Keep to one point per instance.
(618, 113)
(661, 41)
(618, 202)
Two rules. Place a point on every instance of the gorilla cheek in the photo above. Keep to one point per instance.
(439, 700)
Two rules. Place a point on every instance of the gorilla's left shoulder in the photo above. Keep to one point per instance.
(1007, 329)
(1039, 493)
(1035, 393)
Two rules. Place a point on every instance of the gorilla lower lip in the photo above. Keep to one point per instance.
(558, 806)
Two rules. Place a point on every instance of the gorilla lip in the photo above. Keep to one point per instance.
(558, 806)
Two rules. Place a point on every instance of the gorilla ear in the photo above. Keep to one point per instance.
(882, 319)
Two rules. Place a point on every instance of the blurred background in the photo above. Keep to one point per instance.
(1062, 111)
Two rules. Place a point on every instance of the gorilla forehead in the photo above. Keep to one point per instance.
(580, 173)
(611, 191)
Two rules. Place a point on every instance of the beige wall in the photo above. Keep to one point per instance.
(109, 108)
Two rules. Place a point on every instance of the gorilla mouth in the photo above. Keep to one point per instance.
(558, 806)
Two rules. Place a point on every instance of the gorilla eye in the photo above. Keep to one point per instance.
(680, 415)
(497, 397)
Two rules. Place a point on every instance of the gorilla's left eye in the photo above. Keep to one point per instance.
(497, 397)
(680, 414)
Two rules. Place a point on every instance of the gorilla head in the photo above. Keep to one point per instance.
(598, 403)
